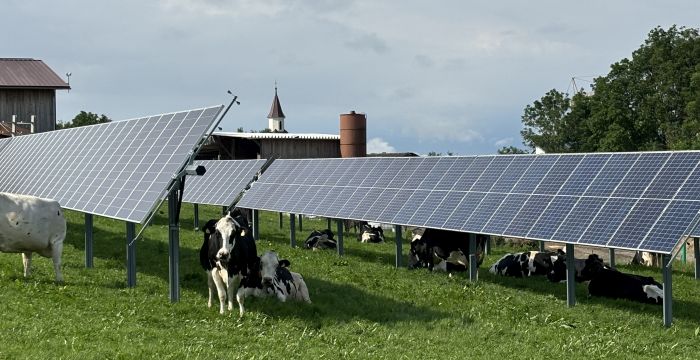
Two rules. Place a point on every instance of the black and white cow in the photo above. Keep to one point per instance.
(320, 240)
(524, 264)
(273, 278)
(610, 283)
(450, 247)
(228, 254)
(30, 224)
(370, 234)
(558, 272)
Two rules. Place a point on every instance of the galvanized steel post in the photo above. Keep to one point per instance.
(174, 244)
(341, 251)
(611, 254)
(256, 225)
(292, 231)
(196, 216)
(130, 254)
(487, 247)
(301, 226)
(280, 220)
(399, 243)
(570, 276)
(88, 241)
(473, 273)
(541, 246)
(696, 252)
(668, 291)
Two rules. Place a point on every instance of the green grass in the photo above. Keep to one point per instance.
(363, 308)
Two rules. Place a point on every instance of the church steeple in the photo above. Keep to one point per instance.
(276, 116)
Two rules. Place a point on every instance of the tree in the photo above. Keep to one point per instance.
(512, 150)
(84, 119)
(544, 122)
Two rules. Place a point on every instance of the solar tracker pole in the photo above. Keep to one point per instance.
(196, 216)
(130, 254)
(174, 243)
(256, 225)
(281, 220)
(668, 291)
(399, 243)
(541, 246)
(696, 252)
(611, 255)
(292, 230)
(339, 223)
(570, 276)
(88, 241)
(329, 223)
(473, 274)
(300, 223)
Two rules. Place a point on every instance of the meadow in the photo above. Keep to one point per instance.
(363, 307)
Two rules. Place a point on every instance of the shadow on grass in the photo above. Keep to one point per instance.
(334, 303)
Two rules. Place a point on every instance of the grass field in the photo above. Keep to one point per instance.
(363, 308)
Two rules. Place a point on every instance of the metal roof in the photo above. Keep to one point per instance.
(28, 73)
(262, 135)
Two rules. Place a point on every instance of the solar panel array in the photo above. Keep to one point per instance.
(119, 169)
(222, 182)
(638, 201)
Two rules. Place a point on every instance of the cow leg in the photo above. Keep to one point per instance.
(233, 283)
(27, 262)
(211, 286)
(56, 250)
(220, 289)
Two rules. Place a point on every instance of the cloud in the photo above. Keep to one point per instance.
(370, 42)
(504, 141)
(378, 145)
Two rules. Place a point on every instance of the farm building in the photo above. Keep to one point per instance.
(28, 88)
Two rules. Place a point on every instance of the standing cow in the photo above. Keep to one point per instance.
(30, 224)
(228, 254)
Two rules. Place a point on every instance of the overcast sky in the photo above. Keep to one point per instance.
(430, 75)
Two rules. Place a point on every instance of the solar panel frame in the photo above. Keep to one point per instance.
(222, 181)
(83, 168)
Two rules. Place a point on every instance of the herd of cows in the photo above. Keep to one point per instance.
(230, 258)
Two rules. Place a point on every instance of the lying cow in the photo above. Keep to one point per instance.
(558, 272)
(449, 246)
(610, 283)
(370, 234)
(273, 278)
(228, 254)
(320, 240)
(525, 264)
(29, 224)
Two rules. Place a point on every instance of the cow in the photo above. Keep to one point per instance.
(558, 272)
(444, 245)
(29, 225)
(610, 283)
(228, 254)
(525, 264)
(370, 234)
(273, 278)
(320, 240)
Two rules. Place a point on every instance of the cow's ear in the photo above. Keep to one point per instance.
(284, 263)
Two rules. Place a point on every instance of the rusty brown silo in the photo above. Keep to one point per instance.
(353, 135)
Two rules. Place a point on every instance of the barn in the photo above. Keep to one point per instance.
(28, 90)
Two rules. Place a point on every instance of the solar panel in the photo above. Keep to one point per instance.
(222, 182)
(119, 169)
(636, 201)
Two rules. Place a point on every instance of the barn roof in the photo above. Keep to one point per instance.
(28, 74)
(262, 135)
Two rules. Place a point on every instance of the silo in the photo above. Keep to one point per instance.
(353, 135)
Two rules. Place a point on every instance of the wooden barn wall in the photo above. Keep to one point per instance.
(299, 149)
(23, 103)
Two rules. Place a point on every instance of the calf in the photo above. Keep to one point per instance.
(273, 278)
(320, 240)
(30, 224)
(525, 264)
(445, 245)
(228, 254)
(558, 272)
(370, 234)
(608, 282)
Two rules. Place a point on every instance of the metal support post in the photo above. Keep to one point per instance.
(611, 254)
(301, 228)
(487, 247)
(541, 246)
(473, 273)
(88, 241)
(570, 276)
(130, 254)
(280, 220)
(341, 251)
(196, 216)
(256, 225)
(292, 231)
(328, 226)
(684, 254)
(174, 244)
(668, 291)
(696, 252)
(224, 210)
(399, 243)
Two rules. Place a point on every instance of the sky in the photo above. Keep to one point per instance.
(442, 76)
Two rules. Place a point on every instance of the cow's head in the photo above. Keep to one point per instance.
(558, 270)
(594, 265)
(228, 230)
(269, 265)
(420, 255)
